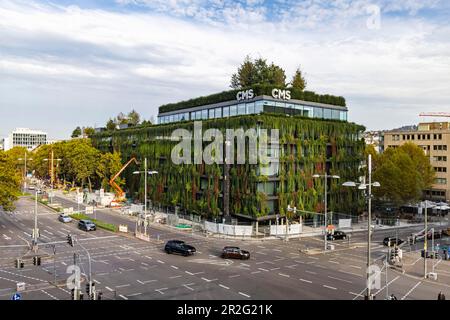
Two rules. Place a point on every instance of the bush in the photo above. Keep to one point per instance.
(98, 223)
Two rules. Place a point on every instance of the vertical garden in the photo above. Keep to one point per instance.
(307, 146)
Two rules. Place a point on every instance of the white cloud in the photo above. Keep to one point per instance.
(145, 58)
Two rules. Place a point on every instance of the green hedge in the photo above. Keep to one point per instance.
(98, 223)
(258, 91)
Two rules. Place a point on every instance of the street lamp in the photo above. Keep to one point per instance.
(364, 186)
(25, 170)
(325, 176)
(52, 173)
(145, 182)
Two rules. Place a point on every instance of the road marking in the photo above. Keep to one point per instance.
(174, 277)
(292, 266)
(277, 250)
(6, 237)
(51, 296)
(354, 274)
(284, 275)
(209, 280)
(145, 264)
(387, 284)
(255, 272)
(356, 267)
(26, 233)
(108, 288)
(314, 258)
(161, 290)
(123, 286)
(262, 269)
(133, 294)
(145, 282)
(332, 288)
(305, 280)
(412, 289)
(335, 262)
(262, 247)
(234, 276)
(50, 233)
(63, 263)
(162, 262)
(225, 287)
(123, 297)
(149, 257)
(264, 254)
(274, 269)
(60, 232)
(339, 279)
(188, 286)
(244, 264)
(244, 294)
(311, 272)
(175, 267)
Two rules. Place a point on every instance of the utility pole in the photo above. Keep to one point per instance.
(325, 210)
(35, 230)
(369, 226)
(425, 242)
(145, 186)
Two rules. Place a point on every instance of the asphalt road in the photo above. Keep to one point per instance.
(126, 268)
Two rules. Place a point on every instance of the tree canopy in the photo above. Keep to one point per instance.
(76, 132)
(403, 173)
(259, 72)
(10, 178)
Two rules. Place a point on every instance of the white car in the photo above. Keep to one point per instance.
(64, 218)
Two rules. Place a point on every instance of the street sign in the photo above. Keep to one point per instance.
(90, 210)
(16, 296)
(79, 198)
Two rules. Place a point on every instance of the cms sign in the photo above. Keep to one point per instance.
(245, 95)
(281, 94)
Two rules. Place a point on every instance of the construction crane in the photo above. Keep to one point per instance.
(435, 114)
(119, 192)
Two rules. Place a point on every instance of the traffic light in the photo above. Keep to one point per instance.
(70, 240)
(396, 250)
(99, 295)
(19, 264)
(37, 261)
(81, 295)
(87, 287)
(72, 294)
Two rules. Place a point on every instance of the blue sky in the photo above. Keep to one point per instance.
(68, 63)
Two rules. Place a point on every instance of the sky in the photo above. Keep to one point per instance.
(78, 63)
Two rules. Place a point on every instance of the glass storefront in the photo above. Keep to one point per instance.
(255, 108)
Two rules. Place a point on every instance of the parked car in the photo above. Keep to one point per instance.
(391, 241)
(64, 218)
(87, 225)
(437, 235)
(180, 247)
(337, 235)
(235, 253)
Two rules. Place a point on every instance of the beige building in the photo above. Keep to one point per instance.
(434, 138)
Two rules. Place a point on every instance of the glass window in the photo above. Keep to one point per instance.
(344, 116)
(335, 114)
(218, 112)
(241, 108)
(192, 115)
(205, 114)
(326, 113)
(211, 114)
(198, 115)
(250, 108)
(233, 111)
(308, 112)
(280, 104)
(258, 106)
(318, 112)
(171, 118)
(226, 112)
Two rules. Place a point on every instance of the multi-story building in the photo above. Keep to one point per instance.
(314, 137)
(434, 138)
(24, 137)
(376, 139)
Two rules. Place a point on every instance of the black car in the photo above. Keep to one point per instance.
(391, 241)
(178, 246)
(337, 235)
(235, 253)
(87, 225)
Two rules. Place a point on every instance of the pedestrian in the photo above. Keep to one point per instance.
(441, 296)
(393, 297)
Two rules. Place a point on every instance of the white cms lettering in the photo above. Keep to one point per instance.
(281, 94)
(245, 95)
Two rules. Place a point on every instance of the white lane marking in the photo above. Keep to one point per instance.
(225, 287)
(305, 280)
(48, 232)
(27, 234)
(133, 294)
(335, 262)
(108, 288)
(277, 250)
(60, 232)
(339, 279)
(284, 275)
(262, 247)
(63, 263)
(145, 264)
(123, 297)
(354, 274)
(160, 290)
(162, 262)
(188, 286)
(262, 269)
(274, 269)
(51, 296)
(292, 266)
(255, 272)
(234, 276)
(244, 264)
(329, 287)
(311, 272)
(6, 237)
(123, 286)
(412, 289)
(387, 284)
(145, 282)
(209, 280)
(175, 267)
(264, 254)
(244, 294)
(314, 258)
(356, 267)
(148, 257)
(174, 277)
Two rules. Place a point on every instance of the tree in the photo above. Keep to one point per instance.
(298, 81)
(121, 118)
(9, 181)
(258, 72)
(403, 173)
(134, 118)
(109, 164)
(76, 133)
(88, 131)
(111, 125)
